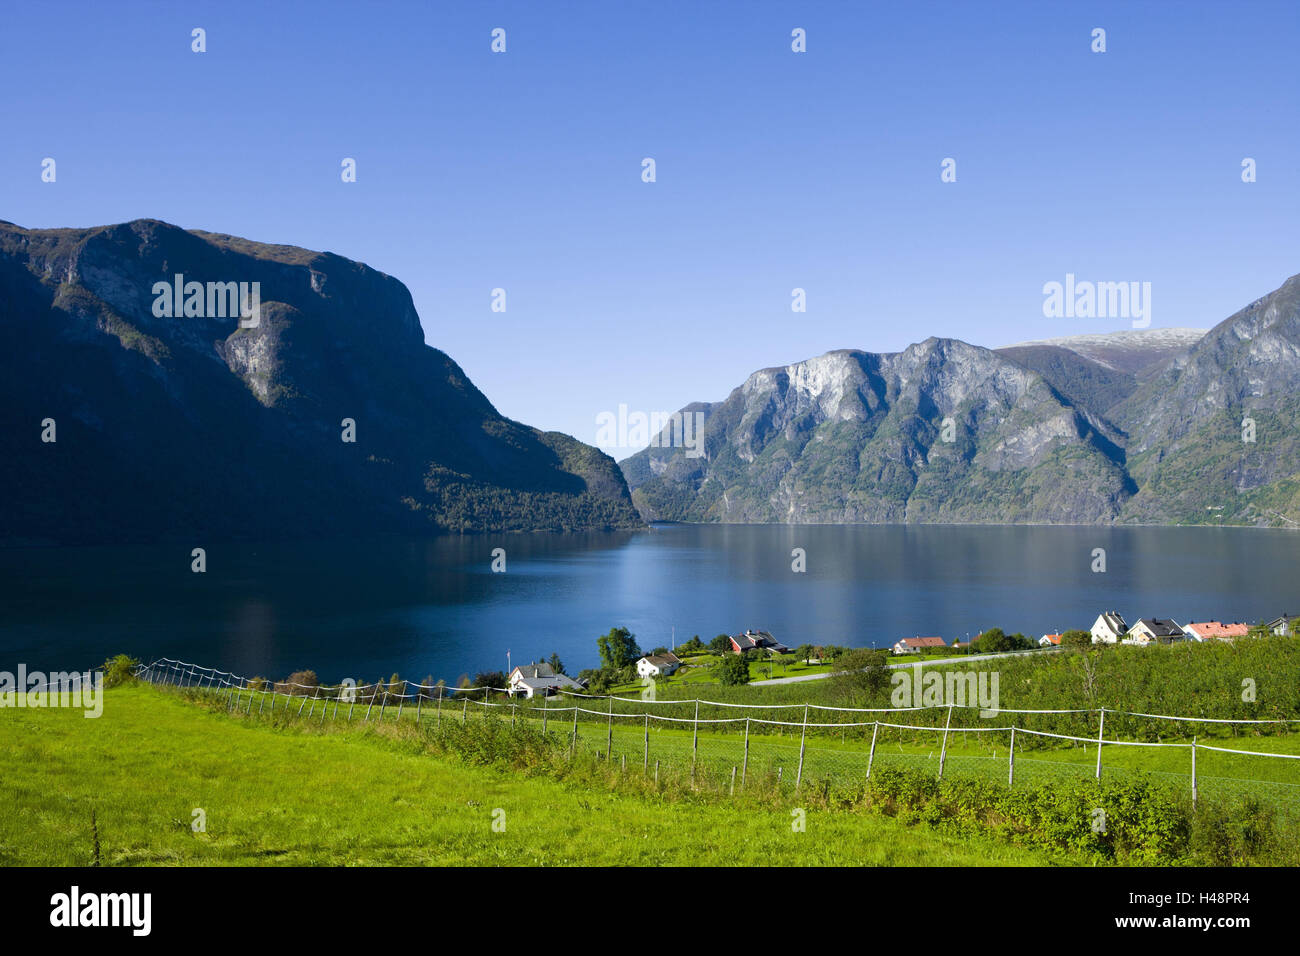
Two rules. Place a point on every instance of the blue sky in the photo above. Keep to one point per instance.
(775, 170)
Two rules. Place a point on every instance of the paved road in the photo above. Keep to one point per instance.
(928, 663)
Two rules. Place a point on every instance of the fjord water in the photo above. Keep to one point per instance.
(367, 608)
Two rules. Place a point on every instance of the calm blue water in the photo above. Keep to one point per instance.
(366, 608)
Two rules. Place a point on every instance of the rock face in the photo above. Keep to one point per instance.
(191, 426)
(860, 437)
(1145, 428)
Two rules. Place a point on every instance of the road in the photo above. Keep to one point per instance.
(937, 662)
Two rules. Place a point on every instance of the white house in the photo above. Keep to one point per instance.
(1153, 630)
(529, 679)
(1049, 640)
(655, 665)
(1109, 628)
(915, 645)
(1283, 626)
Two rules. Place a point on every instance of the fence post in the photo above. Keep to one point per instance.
(1101, 734)
(871, 757)
(943, 751)
(441, 691)
(609, 734)
(656, 774)
(573, 741)
(513, 708)
(733, 779)
(803, 735)
(744, 769)
(371, 702)
(464, 711)
(1011, 761)
(401, 700)
(1193, 771)
(545, 699)
(485, 704)
(419, 705)
(645, 763)
(695, 742)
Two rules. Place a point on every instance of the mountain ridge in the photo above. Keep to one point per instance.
(199, 426)
(1039, 432)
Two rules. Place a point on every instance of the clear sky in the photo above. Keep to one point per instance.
(775, 169)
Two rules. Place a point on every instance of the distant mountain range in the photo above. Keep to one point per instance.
(194, 427)
(1129, 427)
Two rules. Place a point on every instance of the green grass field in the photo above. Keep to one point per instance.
(338, 794)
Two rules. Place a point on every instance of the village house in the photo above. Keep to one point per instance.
(1283, 626)
(1214, 630)
(915, 645)
(1109, 628)
(656, 665)
(529, 679)
(1153, 630)
(757, 641)
(1047, 640)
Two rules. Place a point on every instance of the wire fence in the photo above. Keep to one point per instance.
(727, 745)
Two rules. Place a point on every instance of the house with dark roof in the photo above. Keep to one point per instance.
(541, 679)
(1283, 626)
(654, 665)
(756, 641)
(1109, 628)
(1154, 630)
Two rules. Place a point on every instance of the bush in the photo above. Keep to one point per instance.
(119, 670)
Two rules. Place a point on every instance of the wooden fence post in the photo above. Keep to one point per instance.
(401, 700)
(1193, 771)
(573, 741)
(744, 769)
(803, 735)
(733, 779)
(544, 702)
(609, 735)
(943, 751)
(871, 757)
(1101, 735)
(645, 762)
(1011, 760)
(695, 741)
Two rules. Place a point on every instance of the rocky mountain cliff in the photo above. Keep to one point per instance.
(1142, 428)
(191, 425)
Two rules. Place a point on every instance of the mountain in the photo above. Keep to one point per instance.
(1128, 350)
(188, 427)
(1141, 426)
(1188, 444)
(1098, 372)
(859, 437)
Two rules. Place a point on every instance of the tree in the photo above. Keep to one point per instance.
(557, 665)
(720, 644)
(618, 648)
(803, 652)
(659, 650)
(862, 674)
(734, 670)
(493, 679)
(1076, 638)
(694, 646)
(991, 641)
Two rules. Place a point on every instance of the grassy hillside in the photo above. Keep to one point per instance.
(307, 794)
